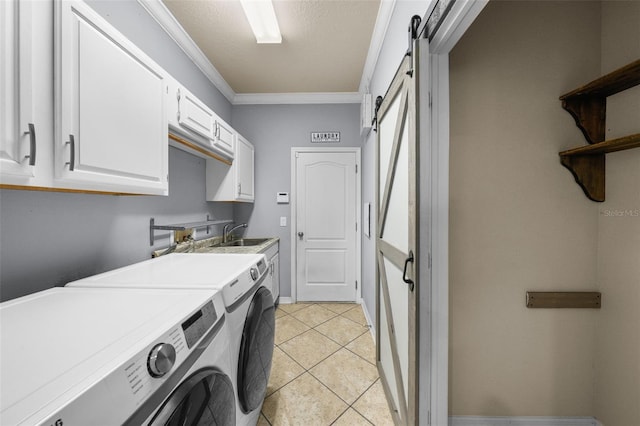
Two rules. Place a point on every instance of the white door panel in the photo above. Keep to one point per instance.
(98, 155)
(326, 267)
(396, 224)
(195, 115)
(112, 132)
(326, 226)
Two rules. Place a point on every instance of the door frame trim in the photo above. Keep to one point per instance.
(434, 330)
(294, 217)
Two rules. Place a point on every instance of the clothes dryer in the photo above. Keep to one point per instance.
(76, 356)
(248, 304)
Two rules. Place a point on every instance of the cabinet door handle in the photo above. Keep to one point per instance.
(72, 153)
(404, 272)
(32, 144)
(239, 189)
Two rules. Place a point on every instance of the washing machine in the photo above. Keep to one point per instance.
(77, 357)
(248, 304)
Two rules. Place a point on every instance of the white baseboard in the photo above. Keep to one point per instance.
(285, 300)
(522, 421)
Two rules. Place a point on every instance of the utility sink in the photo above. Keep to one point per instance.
(244, 242)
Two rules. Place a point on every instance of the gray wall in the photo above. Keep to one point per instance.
(274, 129)
(48, 239)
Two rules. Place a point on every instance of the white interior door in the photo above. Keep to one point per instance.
(396, 243)
(326, 225)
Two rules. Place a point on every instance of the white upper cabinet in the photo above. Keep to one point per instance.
(235, 182)
(224, 137)
(110, 105)
(194, 115)
(198, 129)
(244, 167)
(26, 99)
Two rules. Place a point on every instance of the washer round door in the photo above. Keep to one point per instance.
(256, 351)
(205, 398)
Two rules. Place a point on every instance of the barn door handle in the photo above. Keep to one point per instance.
(404, 272)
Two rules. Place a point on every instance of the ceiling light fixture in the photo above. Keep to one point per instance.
(262, 19)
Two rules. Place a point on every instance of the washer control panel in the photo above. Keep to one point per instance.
(161, 359)
(262, 266)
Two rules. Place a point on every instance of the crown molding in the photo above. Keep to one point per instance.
(172, 27)
(377, 39)
(296, 98)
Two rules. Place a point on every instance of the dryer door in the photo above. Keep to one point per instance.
(256, 351)
(205, 398)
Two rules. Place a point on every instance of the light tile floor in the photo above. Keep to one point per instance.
(324, 370)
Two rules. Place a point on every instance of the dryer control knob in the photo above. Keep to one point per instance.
(254, 273)
(161, 359)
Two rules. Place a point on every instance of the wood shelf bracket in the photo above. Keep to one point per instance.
(589, 173)
(587, 163)
(588, 107)
(588, 104)
(590, 114)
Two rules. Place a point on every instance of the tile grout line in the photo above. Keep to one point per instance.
(366, 328)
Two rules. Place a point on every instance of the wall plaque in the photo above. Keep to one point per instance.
(325, 137)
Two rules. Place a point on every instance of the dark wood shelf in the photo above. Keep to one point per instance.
(605, 147)
(587, 163)
(588, 104)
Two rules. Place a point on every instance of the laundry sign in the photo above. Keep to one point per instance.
(325, 137)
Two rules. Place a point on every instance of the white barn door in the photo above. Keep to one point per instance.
(396, 244)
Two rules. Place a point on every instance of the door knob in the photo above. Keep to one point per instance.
(300, 234)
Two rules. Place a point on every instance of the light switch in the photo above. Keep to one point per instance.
(283, 221)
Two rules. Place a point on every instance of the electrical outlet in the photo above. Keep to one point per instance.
(180, 236)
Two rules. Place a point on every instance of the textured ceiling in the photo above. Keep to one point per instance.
(324, 43)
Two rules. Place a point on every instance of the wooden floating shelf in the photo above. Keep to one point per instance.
(605, 147)
(588, 106)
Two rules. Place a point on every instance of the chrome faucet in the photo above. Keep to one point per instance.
(226, 231)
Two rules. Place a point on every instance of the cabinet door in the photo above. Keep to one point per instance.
(25, 93)
(275, 278)
(194, 115)
(112, 133)
(224, 137)
(243, 165)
